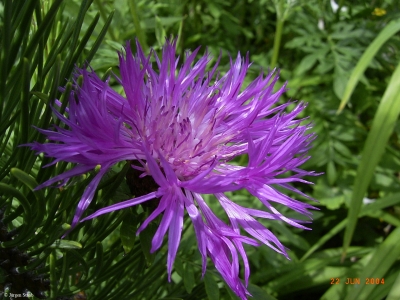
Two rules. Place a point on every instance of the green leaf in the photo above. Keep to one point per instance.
(383, 258)
(290, 237)
(128, 231)
(160, 32)
(259, 294)
(66, 244)
(382, 127)
(99, 258)
(37, 206)
(372, 209)
(388, 31)
(28, 180)
(306, 64)
(339, 83)
(385, 217)
(331, 173)
(317, 270)
(381, 203)
(100, 38)
(188, 278)
(85, 38)
(383, 288)
(103, 13)
(133, 7)
(24, 104)
(342, 149)
(44, 26)
(53, 276)
(211, 286)
(394, 293)
(8, 190)
(333, 202)
(146, 237)
(335, 230)
(231, 294)
(178, 265)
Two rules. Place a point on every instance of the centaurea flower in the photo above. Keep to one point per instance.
(183, 128)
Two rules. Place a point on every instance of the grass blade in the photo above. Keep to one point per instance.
(380, 263)
(395, 291)
(335, 230)
(100, 38)
(46, 23)
(366, 58)
(382, 127)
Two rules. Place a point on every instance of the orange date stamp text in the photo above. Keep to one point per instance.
(357, 280)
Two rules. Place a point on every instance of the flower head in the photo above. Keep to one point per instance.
(183, 128)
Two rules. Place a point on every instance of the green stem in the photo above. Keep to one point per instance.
(282, 13)
(53, 278)
(277, 41)
(139, 32)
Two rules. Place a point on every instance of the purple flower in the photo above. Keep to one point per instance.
(183, 128)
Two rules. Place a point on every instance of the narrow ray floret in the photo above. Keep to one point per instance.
(183, 127)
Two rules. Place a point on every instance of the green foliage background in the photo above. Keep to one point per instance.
(343, 61)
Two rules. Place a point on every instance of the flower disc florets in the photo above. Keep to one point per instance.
(183, 127)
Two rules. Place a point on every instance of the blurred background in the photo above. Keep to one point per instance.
(340, 57)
